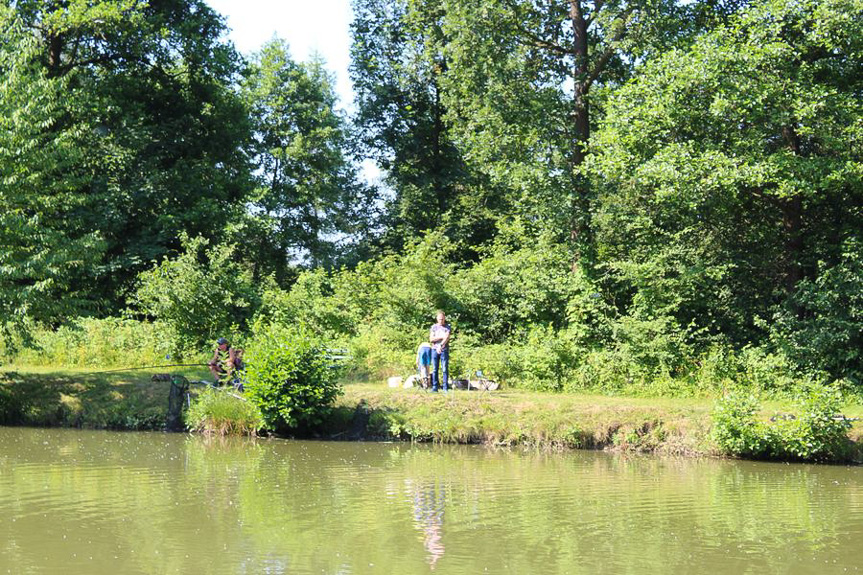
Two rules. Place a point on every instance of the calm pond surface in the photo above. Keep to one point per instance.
(101, 502)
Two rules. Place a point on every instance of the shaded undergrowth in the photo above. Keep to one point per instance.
(125, 400)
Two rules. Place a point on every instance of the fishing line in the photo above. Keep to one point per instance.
(146, 367)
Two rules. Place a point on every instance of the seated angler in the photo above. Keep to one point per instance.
(226, 361)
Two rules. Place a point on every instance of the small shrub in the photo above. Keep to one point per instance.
(735, 428)
(770, 372)
(612, 371)
(574, 437)
(380, 351)
(816, 434)
(496, 361)
(289, 378)
(546, 359)
(215, 411)
(198, 301)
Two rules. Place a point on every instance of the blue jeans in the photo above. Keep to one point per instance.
(440, 361)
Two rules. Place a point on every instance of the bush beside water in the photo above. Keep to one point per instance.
(816, 433)
(290, 378)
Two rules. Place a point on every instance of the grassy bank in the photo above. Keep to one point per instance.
(131, 400)
(519, 418)
(128, 400)
(670, 426)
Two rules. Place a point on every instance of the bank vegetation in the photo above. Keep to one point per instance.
(641, 199)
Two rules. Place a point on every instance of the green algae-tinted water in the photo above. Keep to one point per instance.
(102, 502)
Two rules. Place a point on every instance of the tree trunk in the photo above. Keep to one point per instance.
(792, 222)
(55, 53)
(580, 69)
(437, 153)
(176, 398)
(580, 204)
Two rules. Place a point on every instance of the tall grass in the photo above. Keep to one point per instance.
(218, 412)
(87, 342)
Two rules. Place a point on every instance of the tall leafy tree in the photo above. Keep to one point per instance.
(146, 90)
(310, 203)
(42, 170)
(397, 70)
(521, 91)
(733, 170)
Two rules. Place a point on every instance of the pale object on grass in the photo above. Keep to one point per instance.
(395, 381)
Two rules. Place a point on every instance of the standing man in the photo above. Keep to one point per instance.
(439, 338)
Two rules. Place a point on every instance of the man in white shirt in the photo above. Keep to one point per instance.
(439, 337)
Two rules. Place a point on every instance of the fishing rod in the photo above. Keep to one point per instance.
(150, 367)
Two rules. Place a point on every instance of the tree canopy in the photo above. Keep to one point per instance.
(602, 193)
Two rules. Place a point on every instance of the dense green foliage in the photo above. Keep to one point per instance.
(397, 73)
(41, 168)
(727, 172)
(308, 193)
(289, 378)
(94, 343)
(627, 197)
(735, 429)
(816, 432)
(521, 316)
(119, 121)
(125, 125)
(199, 296)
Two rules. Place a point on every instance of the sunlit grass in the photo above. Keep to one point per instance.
(513, 417)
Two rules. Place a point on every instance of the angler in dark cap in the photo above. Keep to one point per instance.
(226, 360)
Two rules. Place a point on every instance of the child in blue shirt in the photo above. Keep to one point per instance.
(424, 361)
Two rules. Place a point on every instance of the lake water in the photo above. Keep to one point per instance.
(101, 502)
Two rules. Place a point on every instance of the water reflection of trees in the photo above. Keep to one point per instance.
(100, 502)
(143, 503)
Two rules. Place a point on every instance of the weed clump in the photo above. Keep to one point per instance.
(220, 413)
(816, 433)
